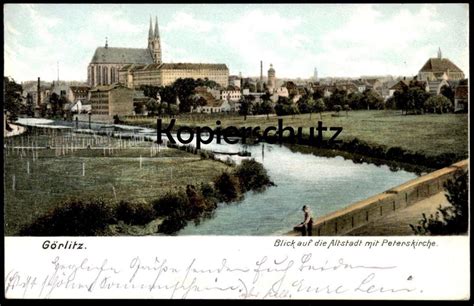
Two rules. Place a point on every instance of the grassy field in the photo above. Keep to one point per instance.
(430, 134)
(115, 176)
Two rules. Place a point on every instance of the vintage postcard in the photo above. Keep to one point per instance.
(236, 151)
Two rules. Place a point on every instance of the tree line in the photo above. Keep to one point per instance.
(163, 99)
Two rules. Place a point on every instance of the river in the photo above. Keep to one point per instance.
(326, 184)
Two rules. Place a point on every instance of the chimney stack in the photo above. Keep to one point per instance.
(38, 94)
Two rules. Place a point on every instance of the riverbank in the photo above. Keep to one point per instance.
(431, 134)
(431, 141)
(377, 210)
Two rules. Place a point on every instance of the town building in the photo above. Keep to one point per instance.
(401, 85)
(434, 87)
(78, 93)
(80, 107)
(208, 102)
(439, 68)
(134, 76)
(461, 97)
(235, 81)
(231, 93)
(361, 85)
(111, 100)
(216, 106)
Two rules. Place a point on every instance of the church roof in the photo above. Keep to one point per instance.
(439, 65)
(122, 56)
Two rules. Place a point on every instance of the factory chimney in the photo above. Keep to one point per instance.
(38, 92)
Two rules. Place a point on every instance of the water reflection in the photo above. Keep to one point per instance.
(324, 183)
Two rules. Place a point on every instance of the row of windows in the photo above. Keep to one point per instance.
(100, 107)
(101, 100)
(99, 113)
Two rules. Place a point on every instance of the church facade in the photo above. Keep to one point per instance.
(106, 62)
(136, 67)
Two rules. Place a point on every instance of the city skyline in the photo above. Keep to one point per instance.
(341, 40)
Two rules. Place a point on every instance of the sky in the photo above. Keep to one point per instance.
(340, 40)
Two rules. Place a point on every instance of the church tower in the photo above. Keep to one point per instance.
(154, 44)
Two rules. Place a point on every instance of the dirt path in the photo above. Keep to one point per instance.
(398, 223)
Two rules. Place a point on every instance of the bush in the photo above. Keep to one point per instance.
(204, 154)
(117, 120)
(74, 218)
(449, 220)
(437, 104)
(227, 187)
(134, 213)
(252, 175)
(170, 203)
(179, 207)
(395, 153)
(197, 203)
(174, 207)
(208, 192)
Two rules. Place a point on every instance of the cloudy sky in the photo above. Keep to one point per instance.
(340, 40)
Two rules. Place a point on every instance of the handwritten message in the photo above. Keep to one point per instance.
(279, 269)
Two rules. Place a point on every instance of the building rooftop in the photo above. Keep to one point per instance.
(79, 88)
(107, 87)
(400, 85)
(439, 65)
(121, 56)
(193, 66)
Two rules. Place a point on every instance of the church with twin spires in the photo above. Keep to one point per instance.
(133, 67)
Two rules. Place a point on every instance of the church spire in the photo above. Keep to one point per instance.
(150, 31)
(157, 31)
(439, 53)
(154, 44)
